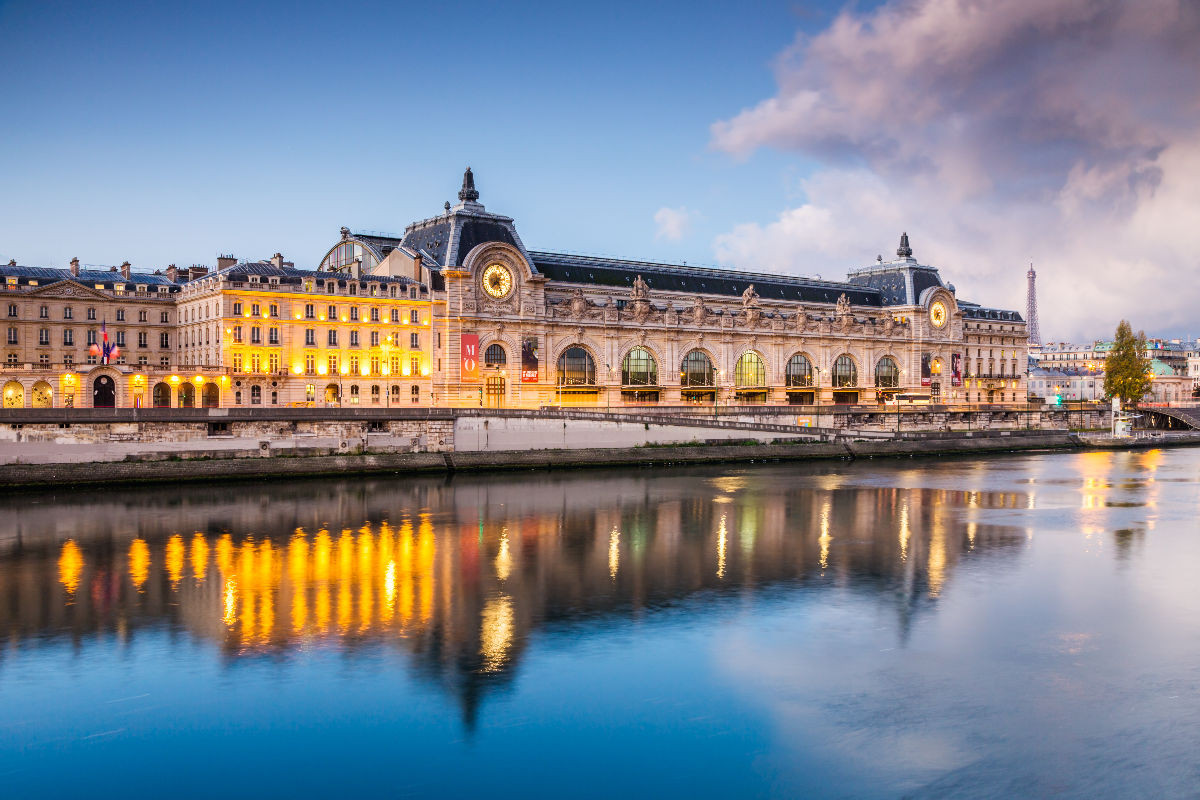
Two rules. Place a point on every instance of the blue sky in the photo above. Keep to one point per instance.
(794, 137)
(166, 132)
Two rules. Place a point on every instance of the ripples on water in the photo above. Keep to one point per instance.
(1023, 626)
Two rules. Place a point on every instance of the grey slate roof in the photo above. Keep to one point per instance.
(697, 280)
(291, 275)
(47, 275)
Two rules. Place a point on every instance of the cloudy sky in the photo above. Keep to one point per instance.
(798, 138)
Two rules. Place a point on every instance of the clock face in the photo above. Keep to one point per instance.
(497, 280)
(937, 314)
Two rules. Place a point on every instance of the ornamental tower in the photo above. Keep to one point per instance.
(1031, 315)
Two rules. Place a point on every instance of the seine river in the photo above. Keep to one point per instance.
(1024, 626)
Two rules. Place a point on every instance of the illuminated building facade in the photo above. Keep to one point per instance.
(458, 312)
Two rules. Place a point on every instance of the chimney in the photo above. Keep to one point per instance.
(277, 259)
(75, 267)
(172, 273)
(126, 269)
(197, 271)
(226, 261)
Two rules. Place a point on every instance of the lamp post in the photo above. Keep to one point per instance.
(717, 395)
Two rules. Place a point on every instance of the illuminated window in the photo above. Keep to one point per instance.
(414, 341)
(845, 373)
(696, 370)
(887, 373)
(799, 371)
(374, 338)
(576, 368)
(639, 368)
(310, 364)
(495, 356)
(750, 370)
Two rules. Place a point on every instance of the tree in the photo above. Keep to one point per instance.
(1127, 370)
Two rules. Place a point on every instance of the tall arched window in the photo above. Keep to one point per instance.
(639, 368)
(162, 395)
(887, 373)
(845, 373)
(799, 371)
(696, 370)
(495, 356)
(576, 368)
(750, 370)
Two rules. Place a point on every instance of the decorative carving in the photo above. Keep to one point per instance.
(889, 325)
(698, 313)
(750, 297)
(579, 304)
(843, 305)
(640, 290)
(641, 311)
(800, 321)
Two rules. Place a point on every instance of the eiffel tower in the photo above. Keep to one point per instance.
(1031, 315)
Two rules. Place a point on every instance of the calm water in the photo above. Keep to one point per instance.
(1012, 627)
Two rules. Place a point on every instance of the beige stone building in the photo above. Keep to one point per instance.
(458, 312)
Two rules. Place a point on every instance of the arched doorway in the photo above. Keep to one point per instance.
(14, 395)
(212, 396)
(43, 395)
(331, 394)
(697, 378)
(104, 392)
(187, 395)
(750, 379)
(162, 395)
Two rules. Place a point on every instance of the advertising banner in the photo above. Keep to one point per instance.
(529, 360)
(926, 369)
(956, 369)
(470, 357)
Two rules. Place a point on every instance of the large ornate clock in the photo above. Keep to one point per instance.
(938, 314)
(497, 281)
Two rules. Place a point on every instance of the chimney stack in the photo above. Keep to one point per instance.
(75, 267)
(277, 259)
(172, 273)
(126, 270)
(197, 271)
(226, 261)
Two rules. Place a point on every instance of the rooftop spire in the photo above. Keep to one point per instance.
(467, 193)
(904, 251)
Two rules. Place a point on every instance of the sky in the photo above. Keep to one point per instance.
(791, 137)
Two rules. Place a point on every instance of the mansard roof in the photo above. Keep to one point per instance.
(973, 311)
(89, 277)
(599, 271)
(292, 275)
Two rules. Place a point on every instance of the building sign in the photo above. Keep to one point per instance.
(956, 369)
(926, 369)
(529, 360)
(470, 357)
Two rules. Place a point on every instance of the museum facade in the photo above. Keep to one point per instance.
(458, 312)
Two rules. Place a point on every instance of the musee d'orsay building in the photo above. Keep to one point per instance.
(458, 312)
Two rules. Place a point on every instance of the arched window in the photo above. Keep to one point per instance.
(332, 395)
(799, 371)
(845, 373)
(750, 370)
(887, 374)
(255, 395)
(42, 396)
(696, 369)
(495, 356)
(374, 393)
(353, 394)
(639, 368)
(162, 395)
(187, 395)
(14, 395)
(212, 395)
(576, 368)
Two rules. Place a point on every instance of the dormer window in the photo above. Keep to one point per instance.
(274, 281)
(354, 288)
(141, 287)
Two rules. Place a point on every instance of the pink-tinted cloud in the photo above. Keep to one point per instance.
(1063, 131)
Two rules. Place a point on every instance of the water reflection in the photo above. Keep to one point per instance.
(458, 574)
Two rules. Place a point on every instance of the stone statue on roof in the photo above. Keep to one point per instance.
(843, 305)
(749, 297)
(641, 290)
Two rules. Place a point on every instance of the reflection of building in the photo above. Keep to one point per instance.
(460, 583)
(459, 312)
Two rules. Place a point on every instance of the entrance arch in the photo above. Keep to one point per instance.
(14, 395)
(332, 394)
(162, 395)
(104, 392)
(187, 395)
(43, 395)
(212, 396)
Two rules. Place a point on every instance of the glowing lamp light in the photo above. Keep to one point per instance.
(321, 317)
(385, 369)
(366, 372)
(345, 369)
(321, 370)
(405, 372)
(174, 379)
(229, 330)
(199, 379)
(246, 315)
(297, 367)
(425, 371)
(224, 379)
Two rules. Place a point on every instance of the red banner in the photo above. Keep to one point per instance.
(470, 357)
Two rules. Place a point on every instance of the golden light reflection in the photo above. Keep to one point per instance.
(496, 632)
(937, 558)
(199, 557)
(614, 553)
(503, 557)
(824, 539)
(722, 543)
(904, 532)
(70, 566)
(174, 559)
(229, 602)
(139, 563)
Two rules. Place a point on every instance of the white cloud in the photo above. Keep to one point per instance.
(673, 223)
(1066, 132)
